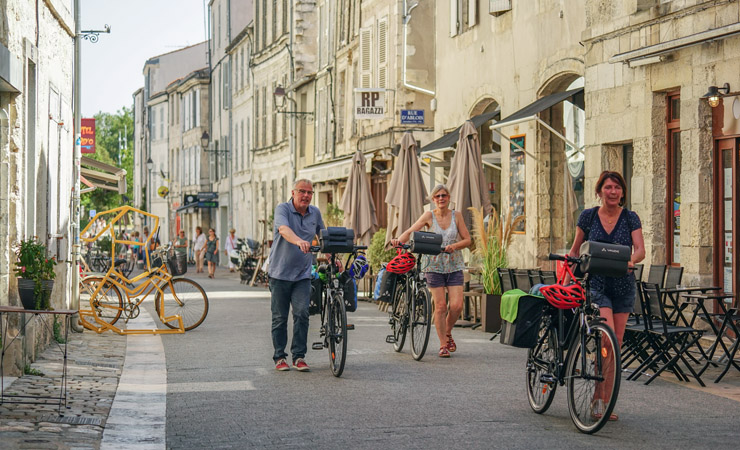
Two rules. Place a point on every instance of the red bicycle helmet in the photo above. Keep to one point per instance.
(564, 297)
(401, 263)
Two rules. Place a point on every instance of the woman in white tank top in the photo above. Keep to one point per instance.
(443, 271)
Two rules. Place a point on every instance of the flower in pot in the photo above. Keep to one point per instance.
(35, 273)
(491, 241)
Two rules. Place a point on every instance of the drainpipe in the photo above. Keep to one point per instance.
(406, 19)
(74, 303)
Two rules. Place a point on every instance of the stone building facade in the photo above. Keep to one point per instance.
(36, 141)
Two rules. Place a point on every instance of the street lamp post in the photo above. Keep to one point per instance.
(150, 168)
(205, 139)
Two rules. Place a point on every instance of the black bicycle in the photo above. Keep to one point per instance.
(333, 313)
(574, 346)
(411, 308)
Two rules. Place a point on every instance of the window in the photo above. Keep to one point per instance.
(153, 124)
(341, 88)
(219, 25)
(196, 108)
(234, 149)
(517, 183)
(321, 123)
(241, 147)
(285, 16)
(302, 128)
(274, 20)
(226, 88)
(256, 24)
(323, 35)
(274, 120)
(264, 116)
(264, 23)
(463, 16)
(673, 185)
(244, 68)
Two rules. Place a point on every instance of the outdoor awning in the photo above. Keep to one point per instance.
(450, 139)
(530, 112)
(90, 187)
(332, 170)
(184, 207)
(103, 176)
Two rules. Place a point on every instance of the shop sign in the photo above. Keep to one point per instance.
(369, 103)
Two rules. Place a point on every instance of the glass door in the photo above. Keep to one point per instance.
(726, 207)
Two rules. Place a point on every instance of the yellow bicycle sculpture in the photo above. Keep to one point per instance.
(183, 299)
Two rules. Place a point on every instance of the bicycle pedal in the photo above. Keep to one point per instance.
(317, 346)
(390, 339)
(350, 326)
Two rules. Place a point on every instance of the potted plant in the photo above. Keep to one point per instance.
(35, 273)
(491, 242)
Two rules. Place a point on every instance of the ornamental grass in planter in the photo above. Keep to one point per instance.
(35, 273)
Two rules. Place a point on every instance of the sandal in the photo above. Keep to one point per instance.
(443, 352)
(597, 411)
(451, 346)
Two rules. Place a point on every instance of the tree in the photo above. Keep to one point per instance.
(107, 129)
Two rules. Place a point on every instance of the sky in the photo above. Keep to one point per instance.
(140, 29)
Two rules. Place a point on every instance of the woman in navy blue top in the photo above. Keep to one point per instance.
(615, 225)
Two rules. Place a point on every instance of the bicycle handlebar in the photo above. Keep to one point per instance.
(317, 248)
(568, 258)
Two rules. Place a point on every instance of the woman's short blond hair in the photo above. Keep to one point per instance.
(437, 188)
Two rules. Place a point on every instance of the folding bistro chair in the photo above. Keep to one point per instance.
(634, 342)
(504, 275)
(535, 276)
(656, 275)
(521, 280)
(669, 342)
(549, 277)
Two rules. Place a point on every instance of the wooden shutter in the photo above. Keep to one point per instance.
(383, 52)
(453, 18)
(365, 57)
(472, 12)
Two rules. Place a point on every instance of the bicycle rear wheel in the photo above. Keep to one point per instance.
(594, 372)
(107, 303)
(541, 365)
(399, 317)
(337, 335)
(420, 318)
(185, 298)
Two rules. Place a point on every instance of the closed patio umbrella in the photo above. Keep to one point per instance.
(467, 181)
(407, 193)
(357, 202)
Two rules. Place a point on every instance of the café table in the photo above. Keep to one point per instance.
(723, 299)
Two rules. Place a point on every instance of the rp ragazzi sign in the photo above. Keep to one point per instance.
(369, 103)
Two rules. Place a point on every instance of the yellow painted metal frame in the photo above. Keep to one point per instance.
(153, 278)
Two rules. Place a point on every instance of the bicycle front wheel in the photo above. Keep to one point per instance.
(541, 365)
(107, 303)
(337, 335)
(399, 318)
(594, 372)
(183, 297)
(420, 317)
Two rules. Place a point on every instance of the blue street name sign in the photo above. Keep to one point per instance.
(412, 116)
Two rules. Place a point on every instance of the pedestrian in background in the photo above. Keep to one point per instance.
(181, 243)
(229, 247)
(212, 252)
(297, 222)
(443, 271)
(199, 247)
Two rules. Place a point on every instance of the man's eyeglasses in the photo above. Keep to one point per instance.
(304, 192)
(441, 196)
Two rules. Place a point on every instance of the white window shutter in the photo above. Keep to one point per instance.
(365, 57)
(383, 52)
(472, 12)
(453, 18)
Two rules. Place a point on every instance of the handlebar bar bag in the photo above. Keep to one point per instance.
(601, 258)
(521, 314)
(337, 240)
(426, 243)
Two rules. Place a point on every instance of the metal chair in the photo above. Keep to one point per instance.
(507, 283)
(656, 275)
(522, 281)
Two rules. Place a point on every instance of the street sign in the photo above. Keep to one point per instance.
(87, 132)
(92, 213)
(369, 103)
(190, 198)
(412, 116)
(207, 195)
(207, 204)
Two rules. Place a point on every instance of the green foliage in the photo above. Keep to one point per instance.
(107, 128)
(334, 215)
(33, 264)
(376, 251)
(491, 244)
(28, 370)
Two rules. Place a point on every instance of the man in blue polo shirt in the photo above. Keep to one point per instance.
(297, 222)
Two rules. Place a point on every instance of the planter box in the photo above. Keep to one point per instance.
(490, 306)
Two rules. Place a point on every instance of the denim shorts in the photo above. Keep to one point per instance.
(619, 300)
(435, 279)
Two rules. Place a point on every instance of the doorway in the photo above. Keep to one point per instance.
(726, 200)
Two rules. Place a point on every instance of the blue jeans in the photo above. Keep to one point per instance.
(284, 295)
